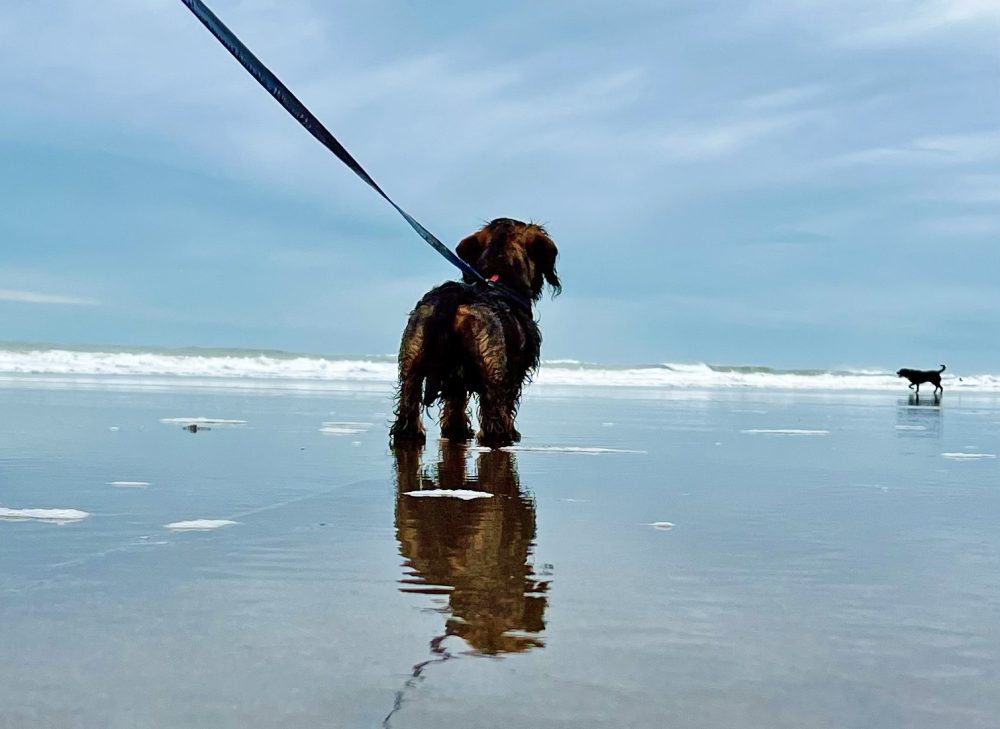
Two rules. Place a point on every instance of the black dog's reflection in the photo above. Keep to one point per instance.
(919, 418)
(476, 551)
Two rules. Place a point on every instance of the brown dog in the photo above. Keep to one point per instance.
(465, 338)
(919, 377)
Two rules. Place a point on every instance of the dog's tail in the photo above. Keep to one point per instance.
(942, 368)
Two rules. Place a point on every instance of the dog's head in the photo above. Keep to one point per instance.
(901, 373)
(520, 255)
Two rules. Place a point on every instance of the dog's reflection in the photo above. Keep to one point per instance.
(476, 551)
(914, 399)
(917, 418)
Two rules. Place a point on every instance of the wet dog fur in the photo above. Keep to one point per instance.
(464, 338)
(919, 377)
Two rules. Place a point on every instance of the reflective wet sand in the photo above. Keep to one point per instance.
(833, 561)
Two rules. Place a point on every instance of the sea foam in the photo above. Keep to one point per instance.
(277, 367)
(54, 515)
(198, 525)
(784, 431)
(463, 494)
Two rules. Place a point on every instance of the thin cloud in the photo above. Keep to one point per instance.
(711, 141)
(964, 226)
(924, 19)
(885, 24)
(944, 149)
(753, 120)
(34, 297)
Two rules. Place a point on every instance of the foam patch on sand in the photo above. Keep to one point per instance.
(562, 449)
(199, 525)
(661, 525)
(345, 428)
(968, 456)
(202, 421)
(129, 484)
(464, 494)
(784, 431)
(53, 515)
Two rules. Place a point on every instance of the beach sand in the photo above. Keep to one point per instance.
(645, 558)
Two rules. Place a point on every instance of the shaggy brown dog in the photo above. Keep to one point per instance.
(918, 377)
(465, 338)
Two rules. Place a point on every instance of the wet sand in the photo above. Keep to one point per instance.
(645, 559)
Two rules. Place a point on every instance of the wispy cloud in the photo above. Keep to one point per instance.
(744, 124)
(718, 140)
(875, 24)
(964, 226)
(893, 23)
(943, 149)
(963, 190)
(35, 297)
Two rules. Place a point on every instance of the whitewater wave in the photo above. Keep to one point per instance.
(280, 366)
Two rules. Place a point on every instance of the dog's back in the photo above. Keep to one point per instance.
(449, 364)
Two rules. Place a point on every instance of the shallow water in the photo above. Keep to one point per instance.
(831, 563)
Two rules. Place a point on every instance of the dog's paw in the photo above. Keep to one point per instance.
(494, 440)
(407, 434)
(457, 432)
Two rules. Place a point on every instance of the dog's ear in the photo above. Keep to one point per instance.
(471, 248)
(544, 253)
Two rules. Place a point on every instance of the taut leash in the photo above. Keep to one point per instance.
(307, 119)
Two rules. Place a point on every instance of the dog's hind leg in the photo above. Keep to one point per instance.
(407, 427)
(483, 336)
(496, 426)
(455, 417)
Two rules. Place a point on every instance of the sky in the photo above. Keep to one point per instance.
(794, 183)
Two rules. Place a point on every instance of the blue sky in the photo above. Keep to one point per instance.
(795, 183)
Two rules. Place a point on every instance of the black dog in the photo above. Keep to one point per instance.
(918, 377)
(464, 339)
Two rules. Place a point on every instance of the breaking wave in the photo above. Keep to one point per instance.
(275, 366)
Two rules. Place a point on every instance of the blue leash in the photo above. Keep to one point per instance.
(297, 109)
